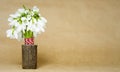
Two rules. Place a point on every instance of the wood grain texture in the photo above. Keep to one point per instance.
(29, 56)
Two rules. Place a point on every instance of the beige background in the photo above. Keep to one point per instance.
(81, 35)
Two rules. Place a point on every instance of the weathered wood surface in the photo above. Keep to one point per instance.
(29, 56)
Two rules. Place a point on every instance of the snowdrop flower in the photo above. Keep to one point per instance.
(9, 33)
(13, 23)
(32, 13)
(26, 11)
(22, 10)
(12, 34)
(19, 36)
(15, 34)
(35, 9)
(43, 20)
(10, 19)
(15, 15)
(35, 34)
(34, 20)
(41, 23)
(12, 16)
(28, 17)
(42, 29)
(21, 27)
(23, 18)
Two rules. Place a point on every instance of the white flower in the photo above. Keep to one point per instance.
(23, 18)
(35, 34)
(26, 11)
(39, 14)
(32, 13)
(10, 19)
(13, 23)
(41, 23)
(34, 20)
(42, 29)
(28, 17)
(21, 27)
(35, 9)
(15, 15)
(43, 19)
(29, 26)
(19, 36)
(9, 33)
(27, 22)
(22, 10)
(15, 34)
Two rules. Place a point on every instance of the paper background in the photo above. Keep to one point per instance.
(78, 33)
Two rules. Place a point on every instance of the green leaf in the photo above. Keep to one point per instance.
(28, 34)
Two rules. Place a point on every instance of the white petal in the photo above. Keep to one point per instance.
(21, 10)
(35, 9)
(9, 34)
(10, 19)
(19, 36)
(26, 11)
(12, 15)
(43, 19)
(42, 29)
(23, 18)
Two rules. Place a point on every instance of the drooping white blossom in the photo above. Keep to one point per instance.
(35, 9)
(21, 10)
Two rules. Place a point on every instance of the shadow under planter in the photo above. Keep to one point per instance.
(29, 56)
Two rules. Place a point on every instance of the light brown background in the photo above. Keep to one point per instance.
(79, 33)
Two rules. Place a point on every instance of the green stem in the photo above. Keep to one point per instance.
(28, 34)
(24, 7)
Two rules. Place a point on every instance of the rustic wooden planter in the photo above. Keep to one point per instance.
(29, 56)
